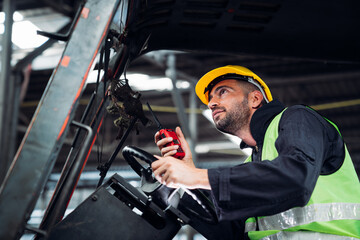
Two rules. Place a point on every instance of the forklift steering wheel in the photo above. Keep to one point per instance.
(130, 152)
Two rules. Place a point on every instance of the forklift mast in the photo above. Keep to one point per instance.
(45, 135)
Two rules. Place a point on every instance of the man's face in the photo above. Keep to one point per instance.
(229, 106)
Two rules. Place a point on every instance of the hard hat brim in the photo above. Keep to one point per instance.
(205, 80)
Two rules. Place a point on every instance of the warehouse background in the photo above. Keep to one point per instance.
(306, 54)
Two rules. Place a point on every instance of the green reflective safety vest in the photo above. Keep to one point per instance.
(333, 211)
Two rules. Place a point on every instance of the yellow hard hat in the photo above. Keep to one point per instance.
(204, 85)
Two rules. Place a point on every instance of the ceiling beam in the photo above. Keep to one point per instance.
(319, 78)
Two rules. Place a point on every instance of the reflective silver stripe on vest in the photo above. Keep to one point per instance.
(250, 226)
(322, 212)
(302, 235)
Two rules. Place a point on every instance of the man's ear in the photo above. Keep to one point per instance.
(255, 99)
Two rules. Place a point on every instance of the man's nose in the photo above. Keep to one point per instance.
(212, 103)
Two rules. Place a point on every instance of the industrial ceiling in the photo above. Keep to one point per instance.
(307, 52)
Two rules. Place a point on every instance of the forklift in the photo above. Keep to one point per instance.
(116, 209)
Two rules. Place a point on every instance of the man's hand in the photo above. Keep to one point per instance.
(177, 173)
(171, 150)
(174, 172)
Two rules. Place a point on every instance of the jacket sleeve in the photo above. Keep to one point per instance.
(224, 230)
(269, 187)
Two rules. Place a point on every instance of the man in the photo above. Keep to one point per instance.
(299, 182)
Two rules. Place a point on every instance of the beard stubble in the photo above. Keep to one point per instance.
(236, 118)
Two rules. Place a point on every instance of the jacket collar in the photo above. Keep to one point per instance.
(261, 119)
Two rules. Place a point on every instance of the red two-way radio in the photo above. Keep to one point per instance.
(164, 133)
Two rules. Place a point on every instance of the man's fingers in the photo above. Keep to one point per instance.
(180, 135)
(179, 132)
(159, 171)
(170, 153)
(157, 137)
(165, 150)
(157, 163)
(184, 144)
(161, 143)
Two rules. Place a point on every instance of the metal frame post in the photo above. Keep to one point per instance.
(41, 144)
(177, 99)
(179, 103)
(193, 120)
(7, 88)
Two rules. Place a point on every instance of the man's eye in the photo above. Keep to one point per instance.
(222, 91)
